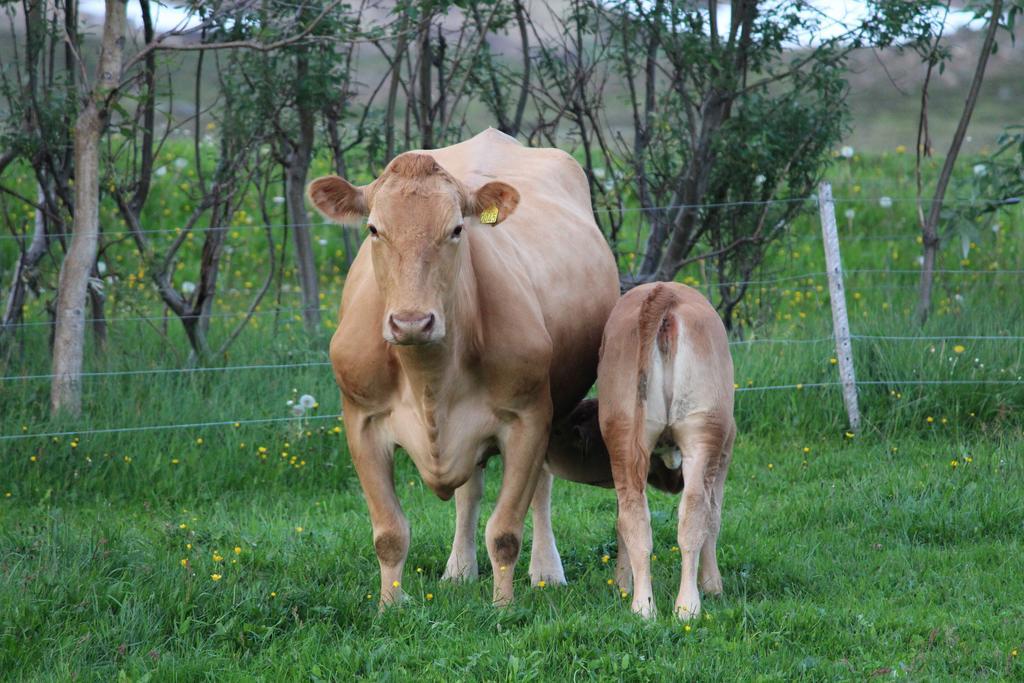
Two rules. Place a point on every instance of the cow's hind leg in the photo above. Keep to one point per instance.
(462, 564)
(709, 576)
(700, 439)
(545, 564)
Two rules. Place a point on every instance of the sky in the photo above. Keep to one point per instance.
(836, 16)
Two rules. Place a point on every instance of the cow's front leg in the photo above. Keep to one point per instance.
(545, 564)
(462, 564)
(373, 458)
(522, 447)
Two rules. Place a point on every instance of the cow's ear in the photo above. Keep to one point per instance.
(338, 199)
(492, 203)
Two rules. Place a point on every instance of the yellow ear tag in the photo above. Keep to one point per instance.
(489, 216)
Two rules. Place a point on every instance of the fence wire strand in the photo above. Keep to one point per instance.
(271, 420)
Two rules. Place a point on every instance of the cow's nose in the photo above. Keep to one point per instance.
(411, 324)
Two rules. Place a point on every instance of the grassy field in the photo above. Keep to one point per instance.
(896, 552)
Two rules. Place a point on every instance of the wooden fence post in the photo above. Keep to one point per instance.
(837, 294)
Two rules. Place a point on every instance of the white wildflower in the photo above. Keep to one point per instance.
(188, 288)
(847, 152)
(759, 179)
(298, 411)
(980, 169)
(307, 401)
(849, 213)
(160, 172)
(885, 202)
(278, 199)
(180, 163)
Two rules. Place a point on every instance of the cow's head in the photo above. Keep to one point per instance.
(417, 218)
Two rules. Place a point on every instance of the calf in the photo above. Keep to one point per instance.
(665, 375)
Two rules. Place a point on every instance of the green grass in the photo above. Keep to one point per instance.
(870, 557)
(877, 557)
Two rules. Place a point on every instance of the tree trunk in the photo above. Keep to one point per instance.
(298, 217)
(209, 269)
(296, 172)
(97, 302)
(930, 228)
(69, 333)
(23, 274)
(425, 62)
(396, 79)
(695, 184)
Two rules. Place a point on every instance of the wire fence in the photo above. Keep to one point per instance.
(749, 343)
(298, 310)
(236, 423)
(880, 199)
(327, 363)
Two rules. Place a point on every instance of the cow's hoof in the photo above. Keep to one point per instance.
(460, 573)
(711, 585)
(645, 608)
(537, 579)
(552, 576)
(685, 610)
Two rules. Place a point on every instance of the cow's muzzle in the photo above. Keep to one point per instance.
(409, 328)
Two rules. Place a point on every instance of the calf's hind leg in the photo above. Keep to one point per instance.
(709, 576)
(700, 439)
(630, 463)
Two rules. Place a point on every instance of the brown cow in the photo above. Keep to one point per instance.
(665, 377)
(471, 318)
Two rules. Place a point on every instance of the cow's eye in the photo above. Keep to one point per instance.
(372, 229)
(457, 231)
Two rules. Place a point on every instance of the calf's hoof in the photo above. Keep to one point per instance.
(392, 599)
